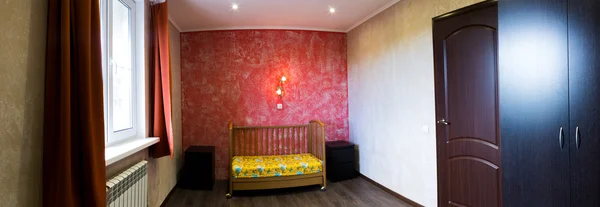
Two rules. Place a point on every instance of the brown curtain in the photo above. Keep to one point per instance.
(74, 167)
(160, 82)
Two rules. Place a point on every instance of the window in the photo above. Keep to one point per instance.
(122, 99)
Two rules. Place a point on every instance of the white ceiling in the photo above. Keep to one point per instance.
(202, 15)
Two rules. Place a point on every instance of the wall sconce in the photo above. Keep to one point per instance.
(280, 92)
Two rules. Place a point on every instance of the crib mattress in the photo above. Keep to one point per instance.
(275, 166)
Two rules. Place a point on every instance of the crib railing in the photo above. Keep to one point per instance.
(317, 134)
(277, 140)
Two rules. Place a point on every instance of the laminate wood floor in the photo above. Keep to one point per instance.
(354, 192)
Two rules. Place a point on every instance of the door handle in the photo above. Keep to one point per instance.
(577, 137)
(561, 138)
(443, 121)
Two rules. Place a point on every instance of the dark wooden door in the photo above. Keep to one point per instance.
(468, 141)
(534, 102)
(584, 92)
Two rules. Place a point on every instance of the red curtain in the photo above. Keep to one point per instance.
(74, 166)
(160, 82)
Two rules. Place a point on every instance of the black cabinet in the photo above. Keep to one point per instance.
(340, 160)
(584, 93)
(199, 168)
(549, 99)
(534, 105)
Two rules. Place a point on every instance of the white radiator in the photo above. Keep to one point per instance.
(128, 189)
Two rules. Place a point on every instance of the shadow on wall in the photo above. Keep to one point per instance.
(357, 157)
(31, 141)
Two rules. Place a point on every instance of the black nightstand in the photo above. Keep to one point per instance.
(340, 160)
(198, 168)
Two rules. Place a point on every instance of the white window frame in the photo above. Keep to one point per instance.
(138, 129)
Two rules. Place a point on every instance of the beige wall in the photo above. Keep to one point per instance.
(162, 172)
(391, 97)
(165, 170)
(22, 63)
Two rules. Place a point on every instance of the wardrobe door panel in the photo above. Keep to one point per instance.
(534, 104)
(584, 90)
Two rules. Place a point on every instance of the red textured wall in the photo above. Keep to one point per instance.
(233, 75)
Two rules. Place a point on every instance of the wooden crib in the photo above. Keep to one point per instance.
(273, 141)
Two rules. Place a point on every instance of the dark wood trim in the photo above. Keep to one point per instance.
(463, 10)
(391, 192)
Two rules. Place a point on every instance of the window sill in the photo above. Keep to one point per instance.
(115, 153)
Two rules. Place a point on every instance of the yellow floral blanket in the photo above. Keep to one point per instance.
(275, 166)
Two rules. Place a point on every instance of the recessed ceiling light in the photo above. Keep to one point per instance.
(331, 10)
(234, 6)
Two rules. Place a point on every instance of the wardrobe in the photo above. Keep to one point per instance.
(549, 98)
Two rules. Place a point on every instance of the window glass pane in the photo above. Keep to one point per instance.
(122, 82)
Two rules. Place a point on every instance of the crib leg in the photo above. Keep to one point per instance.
(228, 195)
(324, 186)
